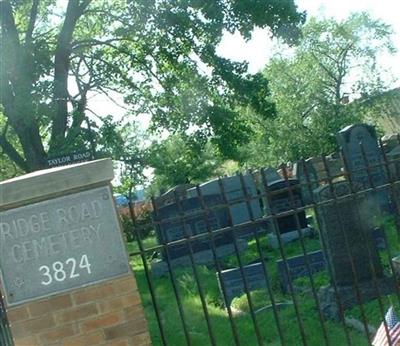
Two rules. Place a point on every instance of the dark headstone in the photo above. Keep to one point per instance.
(173, 219)
(271, 174)
(346, 234)
(235, 196)
(234, 283)
(169, 197)
(350, 244)
(305, 173)
(297, 267)
(379, 236)
(364, 172)
(286, 196)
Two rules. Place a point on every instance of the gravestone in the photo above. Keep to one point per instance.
(170, 196)
(186, 218)
(236, 198)
(171, 226)
(379, 236)
(305, 173)
(285, 196)
(60, 241)
(234, 283)
(350, 244)
(271, 174)
(365, 172)
(289, 237)
(297, 267)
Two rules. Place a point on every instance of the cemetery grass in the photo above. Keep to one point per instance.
(267, 324)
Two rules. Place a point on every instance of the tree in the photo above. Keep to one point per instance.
(181, 160)
(151, 51)
(125, 142)
(312, 86)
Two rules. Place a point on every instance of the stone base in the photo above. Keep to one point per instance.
(160, 268)
(288, 237)
(106, 313)
(348, 295)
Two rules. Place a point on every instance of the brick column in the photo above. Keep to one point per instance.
(108, 313)
(64, 268)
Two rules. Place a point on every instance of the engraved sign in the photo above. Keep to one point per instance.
(60, 244)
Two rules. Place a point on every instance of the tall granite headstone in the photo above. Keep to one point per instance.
(350, 244)
(305, 173)
(365, 172)
(175, 222)
(236, 198)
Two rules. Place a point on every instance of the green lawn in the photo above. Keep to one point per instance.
(265, 320)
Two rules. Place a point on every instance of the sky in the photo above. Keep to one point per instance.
(257, 51)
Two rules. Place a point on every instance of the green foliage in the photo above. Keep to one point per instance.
(310, 86)
(181, 160)
(142, 225)
(188, 291)
(161, 55)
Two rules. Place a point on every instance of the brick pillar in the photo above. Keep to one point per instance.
(64, 268)
(108, 313)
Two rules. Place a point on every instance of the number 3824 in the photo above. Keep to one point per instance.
(70, 269)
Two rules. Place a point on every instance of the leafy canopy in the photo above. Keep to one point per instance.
(160, 54)
(313, 86)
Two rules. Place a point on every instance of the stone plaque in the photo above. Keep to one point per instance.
(60, 244)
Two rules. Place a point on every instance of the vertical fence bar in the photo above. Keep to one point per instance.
(242, 273)
(371, 264)
(284, 258)
(147, 274)
(217, 265)
(350, 256)
(195, 272)
(5, 334)
(174, 284)
(395, 199)
(310, 275)
(329, 265)
(248, 199)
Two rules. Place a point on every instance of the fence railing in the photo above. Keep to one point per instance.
(5, 334)
(265, 259)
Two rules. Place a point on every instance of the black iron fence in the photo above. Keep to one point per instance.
(300, 256)
(5, 334)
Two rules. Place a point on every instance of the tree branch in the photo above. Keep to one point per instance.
(32, 21)
(61, 69)
(12, 153)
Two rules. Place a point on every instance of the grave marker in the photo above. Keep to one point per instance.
(234, 283)
(308, 182)
(282, 199)
(236, 198)
(364, 172)
(171, 225)
(350, 244)
(297, 267)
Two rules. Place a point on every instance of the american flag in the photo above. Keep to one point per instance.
(393, 331)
